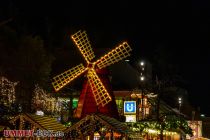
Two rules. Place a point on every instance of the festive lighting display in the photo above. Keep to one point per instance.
(172, 125)
(43, 101)
(99, 91)
(7, 91)
(95, 123)
(82, 42)
(63, 79)
(98, 88)
(120, 52)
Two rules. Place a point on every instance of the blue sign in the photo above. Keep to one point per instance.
(130, 107)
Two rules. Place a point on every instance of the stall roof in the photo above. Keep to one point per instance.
(105, 121)
(42, 122)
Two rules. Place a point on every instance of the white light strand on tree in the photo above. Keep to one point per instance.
(43, 101)
(7, 91)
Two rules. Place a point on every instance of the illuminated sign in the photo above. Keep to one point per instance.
(130, 118)
(40, 113)
(130, 107)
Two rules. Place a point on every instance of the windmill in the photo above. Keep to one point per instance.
(96, 95)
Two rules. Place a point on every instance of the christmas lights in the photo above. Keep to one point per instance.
(7, 91)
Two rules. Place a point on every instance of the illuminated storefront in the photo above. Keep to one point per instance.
(129, 106)
(196, 128)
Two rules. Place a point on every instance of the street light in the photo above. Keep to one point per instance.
(180, 103)
(142, 63)
(142, 79)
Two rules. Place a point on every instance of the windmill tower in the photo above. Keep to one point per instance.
(96, 95)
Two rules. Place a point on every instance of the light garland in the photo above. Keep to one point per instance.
(44, 101)
(171, 123)
(7, 91)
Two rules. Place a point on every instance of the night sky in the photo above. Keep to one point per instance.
(180, 26)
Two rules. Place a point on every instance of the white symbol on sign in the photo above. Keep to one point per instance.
(129, 107)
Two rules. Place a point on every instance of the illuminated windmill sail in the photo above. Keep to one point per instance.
(99, 91)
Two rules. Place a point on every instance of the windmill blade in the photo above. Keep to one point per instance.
(100, 93)
(117, 54)
(82, 42)
(64, 78)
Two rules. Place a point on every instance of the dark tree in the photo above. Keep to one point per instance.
(24, 59)
(32, 66)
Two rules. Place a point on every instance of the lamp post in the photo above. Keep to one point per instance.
(180, 103)
(142, 79)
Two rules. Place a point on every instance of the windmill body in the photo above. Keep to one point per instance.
(87, 104)
(96, 95)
